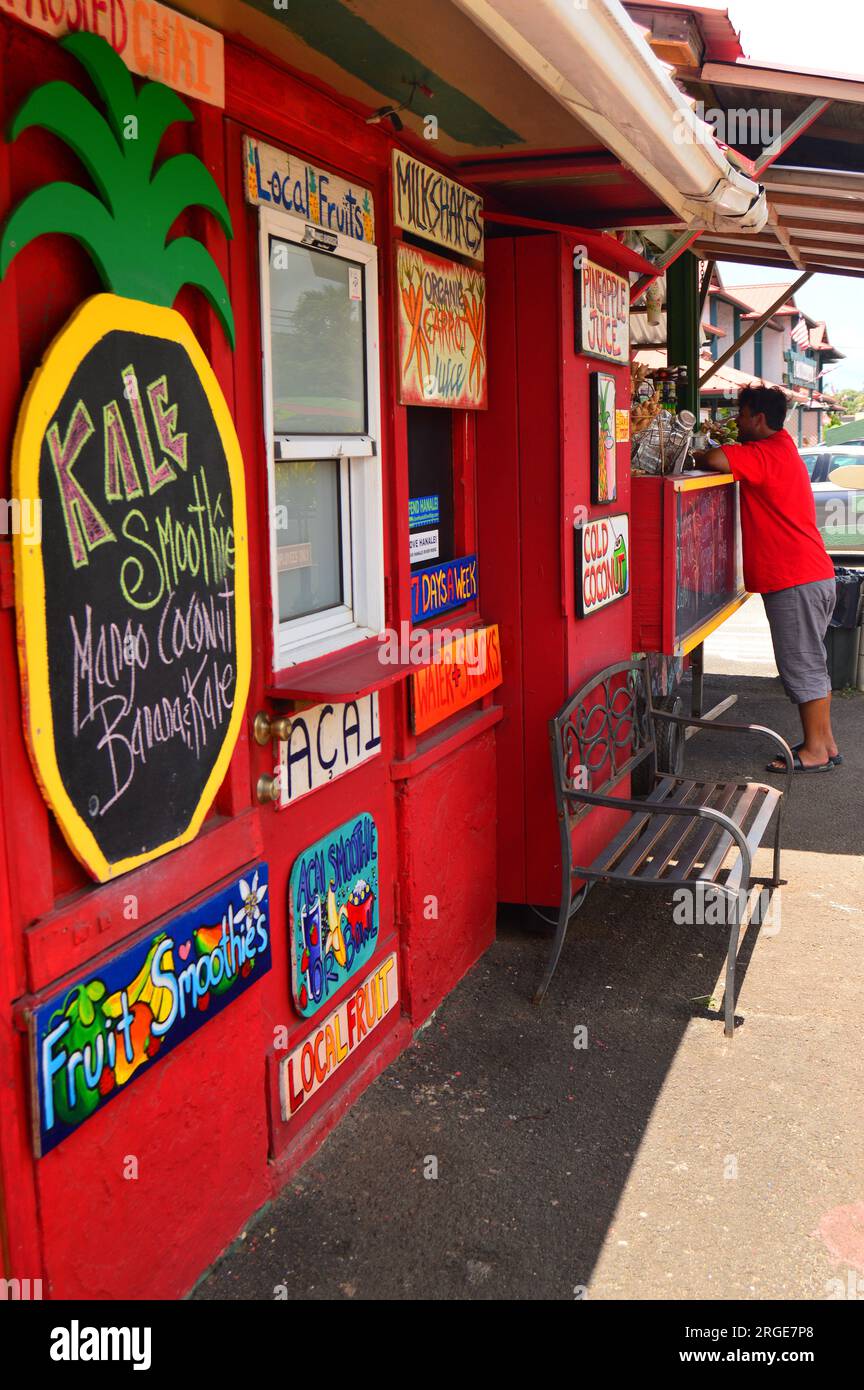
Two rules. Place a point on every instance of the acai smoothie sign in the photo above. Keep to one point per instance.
(133, 612)
(92, 1039)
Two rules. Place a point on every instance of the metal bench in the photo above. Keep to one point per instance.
(679, 835)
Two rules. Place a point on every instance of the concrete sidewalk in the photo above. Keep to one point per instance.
(660, 1161)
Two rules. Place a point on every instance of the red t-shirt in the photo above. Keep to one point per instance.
(779, 536)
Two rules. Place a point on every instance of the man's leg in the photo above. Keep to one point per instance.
(819, 744)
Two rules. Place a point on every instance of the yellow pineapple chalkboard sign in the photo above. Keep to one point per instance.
(133, 596)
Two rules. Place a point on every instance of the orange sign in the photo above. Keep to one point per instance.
(463, 669)
(152, 40)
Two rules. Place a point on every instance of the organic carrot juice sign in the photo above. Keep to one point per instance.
(133, 605)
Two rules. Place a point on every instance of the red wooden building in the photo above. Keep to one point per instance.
(411, 390)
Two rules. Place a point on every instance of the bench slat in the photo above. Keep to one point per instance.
(716, 796)
(651, 840)
(736, 809)
(632, 827)
(754, 834)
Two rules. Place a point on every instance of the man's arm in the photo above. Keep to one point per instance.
(712, 458)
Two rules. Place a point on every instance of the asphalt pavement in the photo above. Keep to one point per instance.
(612, 1143)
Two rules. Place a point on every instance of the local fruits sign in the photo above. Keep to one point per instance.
(320, 1056)
(333, 909)
(602, 562)
(133, 606)
(96, 1036)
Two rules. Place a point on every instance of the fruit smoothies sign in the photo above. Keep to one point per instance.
(604, 467)
(133, 611)
(602, 562)
(277, 179)
(89, 1041)
(441, 315)
(428, 204)
(333, 907)
(152, 40)
(320, 1056)
(602, 304)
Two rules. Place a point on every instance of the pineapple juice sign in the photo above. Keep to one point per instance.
(602, 304)
(277, 179)
(90, 1041)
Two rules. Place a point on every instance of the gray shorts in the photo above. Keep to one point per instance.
(799, 618)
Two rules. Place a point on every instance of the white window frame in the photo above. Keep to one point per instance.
(362, 614)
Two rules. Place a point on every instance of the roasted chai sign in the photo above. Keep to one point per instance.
(93, 1039)
(333, 910)
(277, 179)
(441, 312)
(602, 304)
(466, 668)
(320, 1056)
(152, 40)
(428, 204)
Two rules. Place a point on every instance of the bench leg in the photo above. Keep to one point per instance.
(775, 881)
(734, 931)
(564, 914)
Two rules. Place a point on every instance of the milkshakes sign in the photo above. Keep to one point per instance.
(602, 304)
(602, 562)
(428, 204)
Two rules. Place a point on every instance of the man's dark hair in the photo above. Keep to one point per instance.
(764, 400)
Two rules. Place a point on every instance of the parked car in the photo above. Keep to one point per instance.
(837, 478)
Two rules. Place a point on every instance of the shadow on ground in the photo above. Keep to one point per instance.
(532, 1139)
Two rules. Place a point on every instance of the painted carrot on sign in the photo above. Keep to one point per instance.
(413, 301)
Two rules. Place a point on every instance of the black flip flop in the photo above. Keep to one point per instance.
(836, 758)
(798, 766)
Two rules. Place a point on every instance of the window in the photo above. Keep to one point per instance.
(430, 484)
(319, 311)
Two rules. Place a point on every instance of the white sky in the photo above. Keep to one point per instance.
(827, 36)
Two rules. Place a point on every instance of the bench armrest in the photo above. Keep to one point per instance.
(734, 728)
(660, 808)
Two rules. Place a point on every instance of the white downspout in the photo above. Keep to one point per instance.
(592, 58)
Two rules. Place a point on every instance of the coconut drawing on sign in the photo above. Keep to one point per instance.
(604, 472)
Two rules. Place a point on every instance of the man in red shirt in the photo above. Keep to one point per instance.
(785, 561)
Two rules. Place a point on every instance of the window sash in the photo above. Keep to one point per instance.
(303, 638)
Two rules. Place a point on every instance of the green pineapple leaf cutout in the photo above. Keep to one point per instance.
(124, 226)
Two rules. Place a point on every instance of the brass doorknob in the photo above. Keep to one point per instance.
(266, 728)
(268, 789)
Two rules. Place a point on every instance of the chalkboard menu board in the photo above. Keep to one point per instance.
(135, 606)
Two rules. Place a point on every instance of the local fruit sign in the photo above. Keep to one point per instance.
(133, 604)
(91, 1040)
(602, 562)
(333, 908)
(320, 1056)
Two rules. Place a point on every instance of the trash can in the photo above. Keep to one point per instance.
(843, 638)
